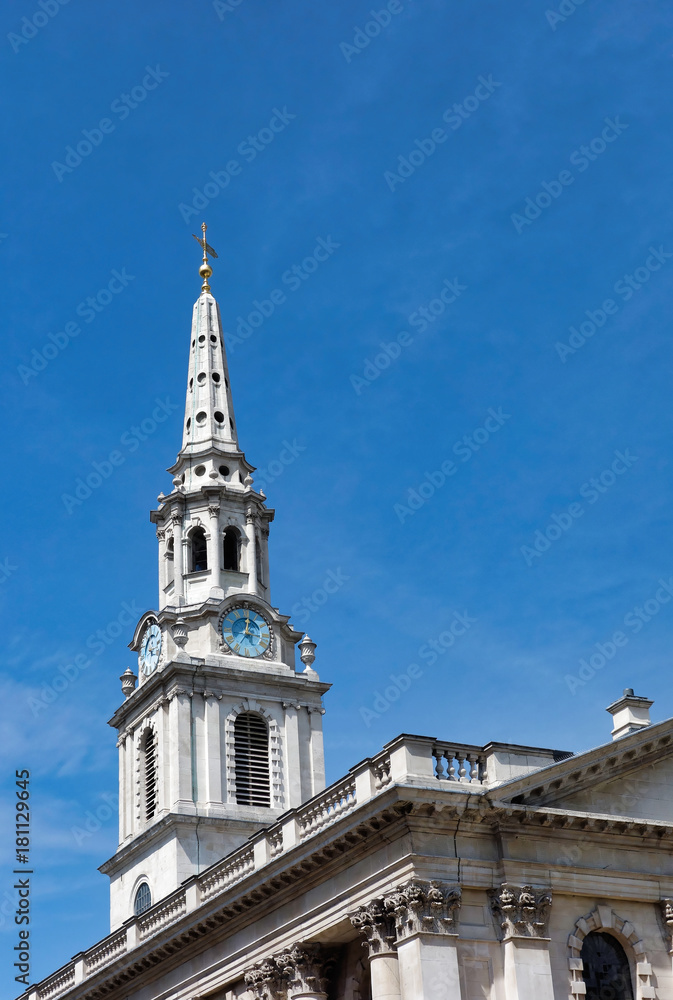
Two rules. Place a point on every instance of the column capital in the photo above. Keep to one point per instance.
(424, 908)
(376, 923)
(304, 967)
(264, 980)
(521, 911)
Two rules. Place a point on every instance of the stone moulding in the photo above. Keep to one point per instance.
(603, 918)
(521, 911)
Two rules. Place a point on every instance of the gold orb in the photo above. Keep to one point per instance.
(205, 271)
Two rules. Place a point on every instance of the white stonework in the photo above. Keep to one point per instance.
(432, 871)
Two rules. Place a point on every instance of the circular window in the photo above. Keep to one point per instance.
(219, 417)
(193, 343)
(143, 899)
(213, 338)
(231, 423)
(201, 417)
(191, 382)
(201, 378)
(202, 338)
(189, 423)
(183, 478)
(216, 376)
(199, 470)
(226, 383)
(224, 470)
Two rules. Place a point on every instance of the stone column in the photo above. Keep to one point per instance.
(317, 750)
(522, 914)
(214, 548)
(178, 562)
(294, 797)
(427, 934)
(161, 538)
(213, 742)
(303, 968)
(251, 554)
(377, 926)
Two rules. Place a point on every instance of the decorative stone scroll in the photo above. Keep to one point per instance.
(521, 911)
(376, 923)
(424, 907)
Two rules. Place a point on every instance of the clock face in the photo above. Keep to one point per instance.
(246, 632)
(150, 649)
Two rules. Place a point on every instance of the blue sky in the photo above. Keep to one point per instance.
(423, 472)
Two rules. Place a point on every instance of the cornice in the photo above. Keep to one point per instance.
(629, 753)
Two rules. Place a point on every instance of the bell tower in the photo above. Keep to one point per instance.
(221, 734)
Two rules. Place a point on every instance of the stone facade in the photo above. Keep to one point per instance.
(432, 871)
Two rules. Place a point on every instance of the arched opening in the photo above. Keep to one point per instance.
(148, 768)
(251, 755)
(231, 549)
(606, 970)
(199, 550)
(143, 899)
(170, 555)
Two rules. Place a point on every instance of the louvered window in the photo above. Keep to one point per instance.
(149, 767)
(251, 745)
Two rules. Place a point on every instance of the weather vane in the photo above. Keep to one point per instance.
(205, 270)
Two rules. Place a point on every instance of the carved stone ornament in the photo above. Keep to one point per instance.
(214, 509)
(376, 923)
(264, 980)
(424, 907)
(304, 969)
(666, 907)
(521, 911)
(176, 515)
(161, 534)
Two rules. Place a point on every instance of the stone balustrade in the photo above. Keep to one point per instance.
(411, 761)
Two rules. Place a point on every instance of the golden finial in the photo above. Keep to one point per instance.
(205, 270)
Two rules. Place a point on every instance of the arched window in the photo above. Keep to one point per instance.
(251, 748)
(170, 553)
(143, 899)
(199, 548)
(231, 544)
(148, 768)
(606, 970)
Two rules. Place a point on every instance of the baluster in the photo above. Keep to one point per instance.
(452, 771)
(462, 772)
(439, 766)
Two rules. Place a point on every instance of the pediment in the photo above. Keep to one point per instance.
(632, 777)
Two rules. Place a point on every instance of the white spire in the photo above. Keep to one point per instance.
(210, 449)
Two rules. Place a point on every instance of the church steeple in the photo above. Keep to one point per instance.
(222, 734)
(210, 449)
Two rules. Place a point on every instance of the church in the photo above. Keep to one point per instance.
(430, 871)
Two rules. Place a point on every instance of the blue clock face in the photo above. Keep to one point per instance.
(150, 649)
(246, 632)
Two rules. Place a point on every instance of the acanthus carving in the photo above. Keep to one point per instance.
(161, 534)
(376, 923)
(214, 509)
(264, 980)
(304, 968)
(424, 907)
(521, 911)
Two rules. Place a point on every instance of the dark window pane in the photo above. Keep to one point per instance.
(606, 968)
